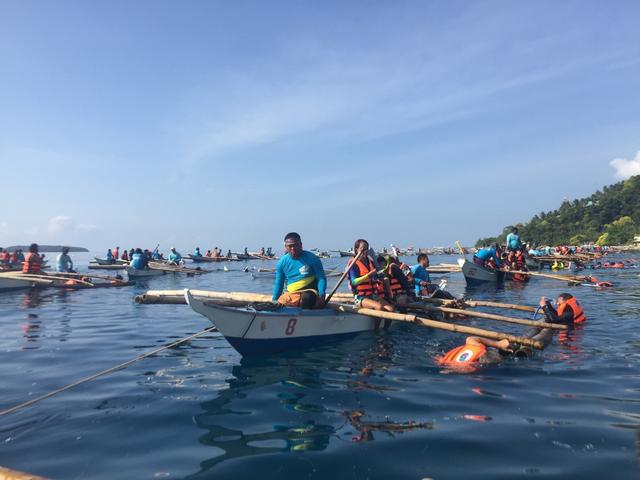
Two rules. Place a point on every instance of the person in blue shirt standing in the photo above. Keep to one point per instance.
(513, 240)
(303, 273)
(64, 264)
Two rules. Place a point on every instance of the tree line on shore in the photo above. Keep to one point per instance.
(608, 217)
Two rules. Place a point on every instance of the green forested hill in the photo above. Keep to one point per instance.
(608, 217)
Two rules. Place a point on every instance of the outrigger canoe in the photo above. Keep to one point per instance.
(204, 259)
(255, 332)
(143, 273)
(477, 274)
(104, 261)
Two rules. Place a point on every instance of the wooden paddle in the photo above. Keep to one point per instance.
(462, 250)
(344, 275)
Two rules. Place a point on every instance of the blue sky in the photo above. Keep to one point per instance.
(231, 123)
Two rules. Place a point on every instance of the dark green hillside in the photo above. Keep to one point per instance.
(608, 217)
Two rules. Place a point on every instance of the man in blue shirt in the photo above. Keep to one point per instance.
(304, 276)
(513, 240)
(489, 257)
(174, 257)
(64, 262)
(421, 275)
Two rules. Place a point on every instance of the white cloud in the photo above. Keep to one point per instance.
(31, 230)
(58, 223)
(626, 168)
(87, 227)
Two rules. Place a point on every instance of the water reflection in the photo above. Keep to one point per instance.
(307, 398)
(33, 327)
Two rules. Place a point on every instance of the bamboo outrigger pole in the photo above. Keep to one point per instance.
(489, 316)
(451, 327)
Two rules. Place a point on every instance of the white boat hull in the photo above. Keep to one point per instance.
(7, 284)
(251, 332)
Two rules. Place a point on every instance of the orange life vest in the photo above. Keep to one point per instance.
(32, 263)
(370, 287)
(462, 355)
(578, 313)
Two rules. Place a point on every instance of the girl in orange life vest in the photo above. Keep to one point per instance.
(568, 310)
(365, 285)
(33, 262)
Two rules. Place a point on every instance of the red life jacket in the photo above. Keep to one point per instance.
(462, 355)
(4, 257)
(14, 258)
(578, 313)
(32, 263)
(369, 287)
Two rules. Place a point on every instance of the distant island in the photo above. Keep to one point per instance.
(608, 217)
(47, 248)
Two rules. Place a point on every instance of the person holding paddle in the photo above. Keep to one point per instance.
(365, 284)
(304, 276)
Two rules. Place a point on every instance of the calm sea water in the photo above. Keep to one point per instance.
(338, 411)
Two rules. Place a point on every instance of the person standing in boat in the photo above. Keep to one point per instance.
(116, 253)
(303, 273)
(33, 261)
(64, 264)
(513, 240)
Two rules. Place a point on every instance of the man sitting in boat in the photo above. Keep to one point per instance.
(174, 257)
(33, 261)
(197, 252)
(365, 284)
(64, 264)
(5, 256)
(568, 310)
(489, 257)
(139, 260)
(125, 256)
(304, 276)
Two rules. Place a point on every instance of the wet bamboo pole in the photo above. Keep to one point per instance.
(451, 327)
(489, 316)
